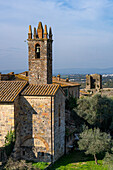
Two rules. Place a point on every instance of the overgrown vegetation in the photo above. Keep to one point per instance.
(19, 165)
(97, 111)
(9, 142)
(70, 103)
(97, 114)
(108, 159)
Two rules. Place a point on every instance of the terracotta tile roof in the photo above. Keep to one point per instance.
(64, 83)
(84, 92)
(55, 81)
(41, 90)
(21, 77)
(9, 90)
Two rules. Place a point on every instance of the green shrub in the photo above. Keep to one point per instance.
(70, 103)
(19, 165)
(108, 159)
(9, 142)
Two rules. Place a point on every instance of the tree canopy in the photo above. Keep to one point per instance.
(93, 141)
(97, 111)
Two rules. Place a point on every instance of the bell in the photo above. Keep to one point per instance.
(38, 50)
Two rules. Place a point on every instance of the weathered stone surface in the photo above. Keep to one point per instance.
(40, 69)
(59, 126)
(38, 120)
(94, 81)
(72, 91)
(6, 120)
(40, 137)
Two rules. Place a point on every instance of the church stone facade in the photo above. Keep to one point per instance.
(40, 122)
(35, 109)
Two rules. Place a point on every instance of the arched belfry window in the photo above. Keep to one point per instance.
(37, 51)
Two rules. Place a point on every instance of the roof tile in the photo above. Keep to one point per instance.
(9, 90)
(41, 90)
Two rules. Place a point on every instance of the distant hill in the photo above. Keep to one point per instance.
(71, 71)
(83, 71)
(8, 71)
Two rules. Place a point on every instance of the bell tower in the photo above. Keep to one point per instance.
(40, 55)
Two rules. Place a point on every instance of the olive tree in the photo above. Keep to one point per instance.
(97, 111)
(93, 141)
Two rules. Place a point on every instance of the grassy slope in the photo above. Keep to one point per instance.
(77, 160)
(74, 160)
(40, 165)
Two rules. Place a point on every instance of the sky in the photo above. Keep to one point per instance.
(82, 32)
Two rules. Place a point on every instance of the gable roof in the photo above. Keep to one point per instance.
(9, 90)
(40, 90)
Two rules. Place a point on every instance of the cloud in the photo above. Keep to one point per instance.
(82, 29)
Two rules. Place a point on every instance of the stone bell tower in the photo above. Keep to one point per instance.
(40, 55)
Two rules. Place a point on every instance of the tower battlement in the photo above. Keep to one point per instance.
(40, 32)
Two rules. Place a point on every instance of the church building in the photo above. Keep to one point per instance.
(35, 109)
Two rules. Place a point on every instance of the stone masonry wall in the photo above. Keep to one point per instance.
(6, 120)
(40, 69)
(88, 81)
(59, 128)
(34, 127)
(72, 91)
(94, 81)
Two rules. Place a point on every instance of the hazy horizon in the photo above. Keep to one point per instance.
(70, 71)
(82, 32)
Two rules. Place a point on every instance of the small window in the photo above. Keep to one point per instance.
(42, 153)
(37, 51)
(23, 153)
(38, 76)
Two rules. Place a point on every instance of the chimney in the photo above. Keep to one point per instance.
(58, 77)
(67, 79)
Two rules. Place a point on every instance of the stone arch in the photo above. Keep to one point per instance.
(44, 141)
(36, 137)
